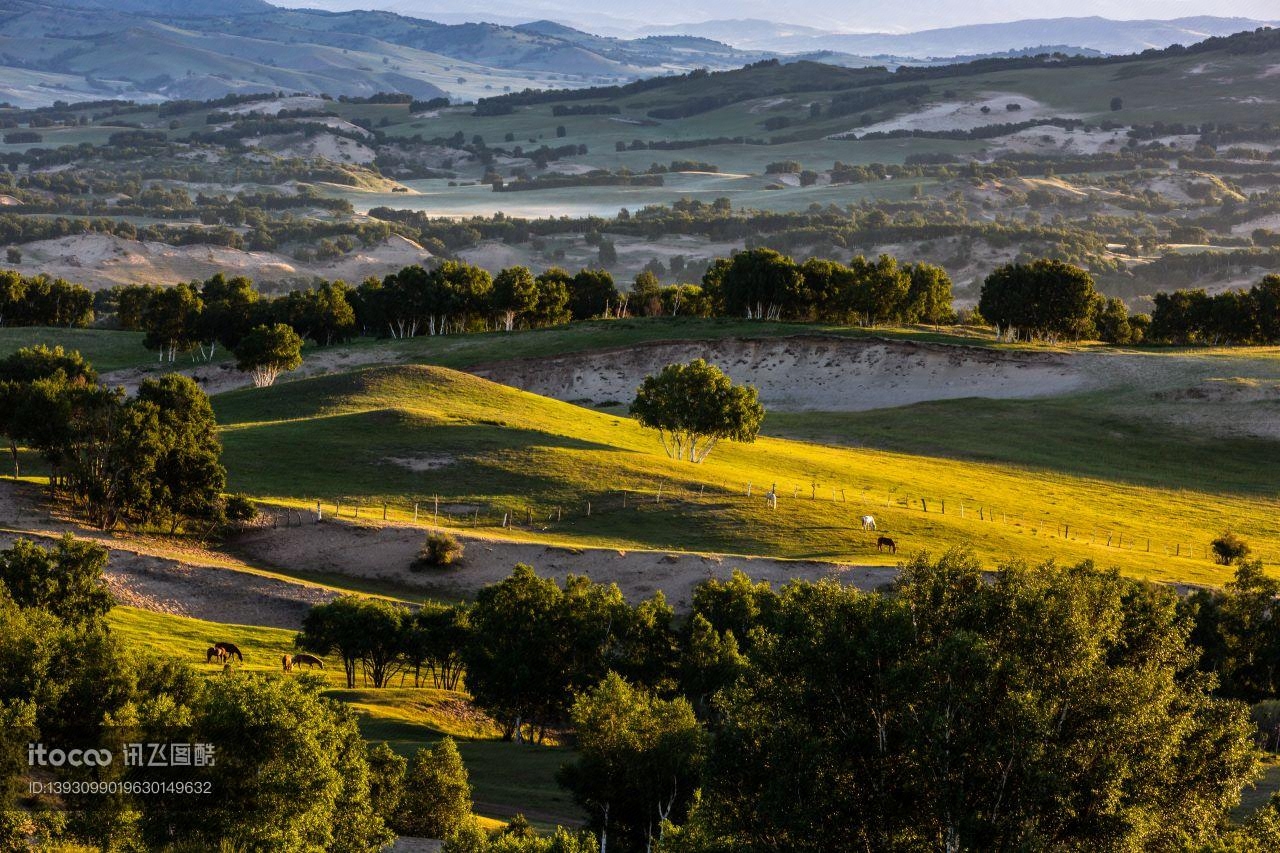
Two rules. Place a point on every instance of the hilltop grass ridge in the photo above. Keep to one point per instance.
(510, 452)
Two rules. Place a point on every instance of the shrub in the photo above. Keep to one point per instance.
(1230, 548)
(239, 509)
(440, 550)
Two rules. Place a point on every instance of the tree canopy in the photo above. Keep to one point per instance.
(693, 406)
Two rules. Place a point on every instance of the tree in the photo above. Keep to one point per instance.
(1230, 548)
(639, 761)
(646, 292)
(693, 406)
(437, 793)
(172, 321)
(291, 774)
(65, 580)
(553, 298)
(1047, 708)
(592, 294)
(189, 476)
(1112, 321)
(928, 295)
(435, 638)
(515, 296)
(32, 381)
(324, 315)
(370, 632)
(227, 311)
(386, 781)
(1117, 104)
(268, 351)
(1043, 299)
(1239, 635)
(759, 284)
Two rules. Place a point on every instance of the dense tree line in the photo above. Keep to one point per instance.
(763, 284)
(1231, 317)
(41, 301)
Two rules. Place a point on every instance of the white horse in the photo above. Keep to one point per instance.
(868, 522)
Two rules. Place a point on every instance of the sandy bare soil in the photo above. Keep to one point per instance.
(384, 552)
(966, 115)
(806, 373)
(205, 585)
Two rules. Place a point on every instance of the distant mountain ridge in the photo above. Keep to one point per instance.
(158, 49)
(1090, 33)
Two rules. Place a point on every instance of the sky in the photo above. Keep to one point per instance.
(845, 15)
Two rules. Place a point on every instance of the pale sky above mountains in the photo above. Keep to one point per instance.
(847, 15)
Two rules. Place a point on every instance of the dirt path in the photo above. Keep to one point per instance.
(145, 573)
(384, 553)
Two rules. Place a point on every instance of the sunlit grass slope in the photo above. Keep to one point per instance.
(502, 450)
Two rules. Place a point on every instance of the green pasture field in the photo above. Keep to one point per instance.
(511, 452)
(505, 778)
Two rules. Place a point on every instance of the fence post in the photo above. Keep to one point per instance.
(415, 512)
(436, 517)
(588, 509)
(384, 510)
(319, 512)
(924, 505)
(748, 490)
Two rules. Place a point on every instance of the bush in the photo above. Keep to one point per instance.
(440, 550)
(240, 509)
(1230, 548)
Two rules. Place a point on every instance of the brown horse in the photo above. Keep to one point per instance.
(215, 652)
(309, 660)
(286, 661)
(229, 649)
(885, 542)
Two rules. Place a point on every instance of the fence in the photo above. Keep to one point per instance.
(457, 512)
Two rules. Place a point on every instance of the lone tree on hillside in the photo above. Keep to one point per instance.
(268, 351)
(693, 406)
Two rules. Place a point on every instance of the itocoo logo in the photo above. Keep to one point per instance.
(39, 756)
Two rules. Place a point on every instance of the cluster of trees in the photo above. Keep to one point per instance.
(766, 285)
(1044, 707)
(1230, 317)
(41, 301)
(154, 458)
(1052, 300)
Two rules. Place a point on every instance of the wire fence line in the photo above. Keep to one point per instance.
(886, 506)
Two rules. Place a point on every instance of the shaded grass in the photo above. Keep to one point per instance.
(1079, 434)
(105, 349)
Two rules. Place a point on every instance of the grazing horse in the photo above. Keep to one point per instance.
(215, 652)
(309, 660)
(286, 661)
(868, 522)
(229, 649)
(885, 542)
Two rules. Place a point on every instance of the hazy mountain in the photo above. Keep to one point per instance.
(140, 49)
(1094, 33)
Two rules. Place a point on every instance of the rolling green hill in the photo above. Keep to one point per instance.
(497, 450)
